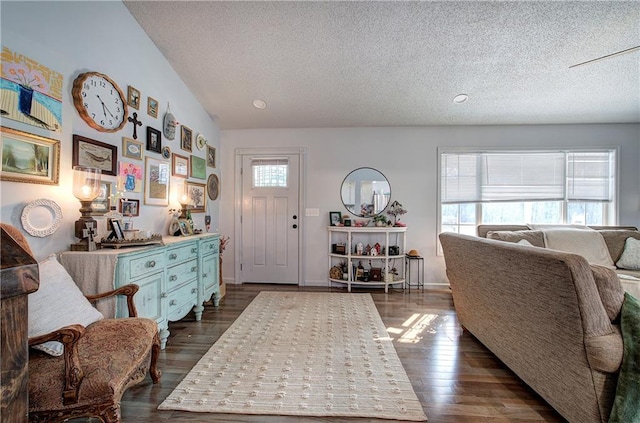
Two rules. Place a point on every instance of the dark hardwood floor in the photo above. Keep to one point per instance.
(454, 376)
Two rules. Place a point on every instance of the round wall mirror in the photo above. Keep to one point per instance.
(365, 192)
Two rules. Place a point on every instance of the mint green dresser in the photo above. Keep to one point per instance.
(174, 278)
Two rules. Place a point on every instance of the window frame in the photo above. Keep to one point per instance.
(610, 208)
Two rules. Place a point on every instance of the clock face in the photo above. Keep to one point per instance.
(99, 101)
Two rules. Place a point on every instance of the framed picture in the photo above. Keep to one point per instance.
(133, 98)
(166, 153)
(152, 107)
(102, 202)
(130, 177)
(130, 207)
(131, 148)
(198, 168)
(29, 158)
(186, 138)
(185, 227)
(92, 153)
(156, 182)
(179, 166)
(117, 229)
(213, 186)
(154, 140)
(197, 200)
(335, 218)
(211, 156)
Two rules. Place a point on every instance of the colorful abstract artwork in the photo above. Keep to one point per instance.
(31, 93)
(130, 177)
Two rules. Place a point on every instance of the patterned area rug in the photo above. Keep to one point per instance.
(302, 354)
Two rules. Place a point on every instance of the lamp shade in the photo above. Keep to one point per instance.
(86, 182)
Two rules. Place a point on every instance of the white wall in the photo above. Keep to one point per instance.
(408, 158)
(75, 37)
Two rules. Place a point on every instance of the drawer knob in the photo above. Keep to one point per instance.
(173, 256)
(211, 246)
(151, 263)
(194, 250)
(173, 302)
(204, 275)
(194, 290)
(173, 278)
(194, 268)
(164, 295)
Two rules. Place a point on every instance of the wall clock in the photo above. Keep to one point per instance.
(99, 101)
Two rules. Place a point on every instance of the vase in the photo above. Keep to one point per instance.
(25, 97)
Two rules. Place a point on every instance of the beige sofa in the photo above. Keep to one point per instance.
(548, 315)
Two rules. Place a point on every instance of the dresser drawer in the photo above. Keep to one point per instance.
(181, 273)
(182, 253)
(209, 246)
(181, 300)
(145, 265)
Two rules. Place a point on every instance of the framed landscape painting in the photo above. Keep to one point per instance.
(29, 158)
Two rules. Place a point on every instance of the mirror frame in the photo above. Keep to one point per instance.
(383, 179)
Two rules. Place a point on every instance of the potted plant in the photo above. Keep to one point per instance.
(380, 220)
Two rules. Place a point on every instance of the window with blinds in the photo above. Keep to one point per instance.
(270, 173)
(568, 186)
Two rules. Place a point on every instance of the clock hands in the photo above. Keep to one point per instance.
(104, 107)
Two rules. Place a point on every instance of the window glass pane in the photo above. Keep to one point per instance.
(270, 173)
(468, 213)
(580, 213)
(543, 212)
(503, 213)
(450, 214)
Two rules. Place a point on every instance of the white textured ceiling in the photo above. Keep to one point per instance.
(343, 64)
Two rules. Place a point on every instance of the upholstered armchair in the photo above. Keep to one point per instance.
(80, 364)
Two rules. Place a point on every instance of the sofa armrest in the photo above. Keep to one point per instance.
(128, 290)
(69, 337)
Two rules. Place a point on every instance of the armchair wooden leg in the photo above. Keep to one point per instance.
(111, 414)
(153, 367)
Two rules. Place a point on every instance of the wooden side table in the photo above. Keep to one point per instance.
(408, 260)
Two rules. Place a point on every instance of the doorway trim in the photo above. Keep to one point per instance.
(301, 152)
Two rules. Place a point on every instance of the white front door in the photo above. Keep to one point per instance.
(270, 219)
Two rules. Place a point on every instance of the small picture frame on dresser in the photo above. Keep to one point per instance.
(335, 218)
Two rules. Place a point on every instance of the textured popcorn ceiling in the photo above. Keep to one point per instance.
(342, 64)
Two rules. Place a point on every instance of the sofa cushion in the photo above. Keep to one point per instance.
(535, 238)
(630, 258)
(57, 303)
(610, 290)
(616, 240)
(587, 243)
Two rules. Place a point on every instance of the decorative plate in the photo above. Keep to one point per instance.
(166, 153)
(41, 217)
(169, 125)
(201, 141)
(213, 186)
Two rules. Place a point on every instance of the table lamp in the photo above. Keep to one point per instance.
(86, 187)
(183, 199)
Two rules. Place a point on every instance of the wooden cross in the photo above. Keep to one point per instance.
(136, 123)
(89, 233)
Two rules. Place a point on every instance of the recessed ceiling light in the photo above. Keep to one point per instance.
(259, 104)
(460, 98)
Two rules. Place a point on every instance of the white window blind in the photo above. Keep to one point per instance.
(473, 177)
(590, 176)
(272, 172)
